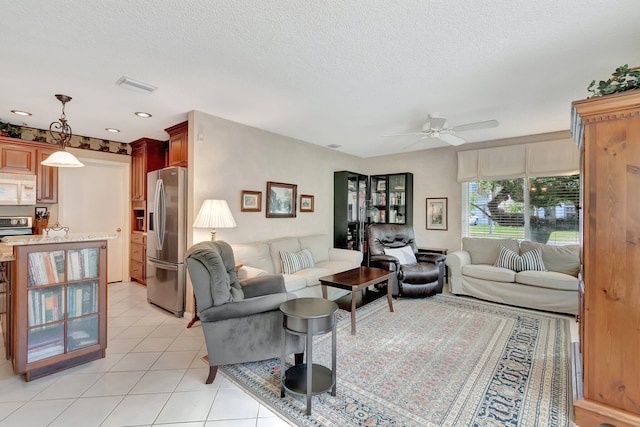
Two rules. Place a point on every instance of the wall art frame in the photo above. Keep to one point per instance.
(281, 200)
(251, 201)
(437, 213)
(306, 203)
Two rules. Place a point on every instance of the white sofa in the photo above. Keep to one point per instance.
(472, 272)
(259, 258)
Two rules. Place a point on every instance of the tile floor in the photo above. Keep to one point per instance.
(153, 375)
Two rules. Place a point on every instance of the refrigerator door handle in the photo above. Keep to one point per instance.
(159, 210)
(163, 265)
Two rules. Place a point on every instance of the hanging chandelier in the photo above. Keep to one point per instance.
(60, 132)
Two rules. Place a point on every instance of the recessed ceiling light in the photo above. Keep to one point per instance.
(112, 130)
(21, 113)
(142, 114)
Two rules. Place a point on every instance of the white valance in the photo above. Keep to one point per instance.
(538, 159)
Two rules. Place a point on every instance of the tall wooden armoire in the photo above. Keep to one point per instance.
(608, 391)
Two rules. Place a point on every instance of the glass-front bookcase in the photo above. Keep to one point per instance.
(60, 306)
(392, 198)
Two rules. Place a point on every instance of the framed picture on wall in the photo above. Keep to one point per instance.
(251, 201)
(306, 203)
(437, 213)
(281, 200)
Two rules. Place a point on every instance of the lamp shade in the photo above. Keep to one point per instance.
(214, 214)
(62, 159)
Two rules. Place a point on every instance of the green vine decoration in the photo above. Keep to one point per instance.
(623, 79)
(7, 129)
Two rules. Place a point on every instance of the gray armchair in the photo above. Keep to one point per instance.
(241, 321)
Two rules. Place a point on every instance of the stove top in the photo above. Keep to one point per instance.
(15, 225)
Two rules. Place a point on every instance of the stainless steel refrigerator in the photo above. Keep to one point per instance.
(167, 238)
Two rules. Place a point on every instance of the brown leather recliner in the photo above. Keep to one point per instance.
(425, 277)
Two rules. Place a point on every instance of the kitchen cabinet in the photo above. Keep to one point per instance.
(606, 364)
(138, 256)
(147, 155)
(59, 306)
(46, 178)
(392, 198)
(17, 158)
(178, 154)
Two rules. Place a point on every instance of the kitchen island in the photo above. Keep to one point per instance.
(57, 301)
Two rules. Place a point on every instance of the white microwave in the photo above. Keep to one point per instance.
(17, 189)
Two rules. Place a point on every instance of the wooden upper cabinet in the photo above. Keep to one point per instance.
(17, 159)
(146, 155)
(47, 179)
(178, 144)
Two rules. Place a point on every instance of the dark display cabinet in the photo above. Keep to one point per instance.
(349, 214)
(391, 199)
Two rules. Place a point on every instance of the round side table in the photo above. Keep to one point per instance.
(308, 317)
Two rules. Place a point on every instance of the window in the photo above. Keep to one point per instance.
(538, 209)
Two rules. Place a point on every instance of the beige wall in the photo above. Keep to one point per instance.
(226, 157)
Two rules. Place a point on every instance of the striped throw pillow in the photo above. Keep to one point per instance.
(531, 260)
(296, 261)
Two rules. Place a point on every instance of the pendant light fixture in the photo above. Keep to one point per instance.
(61, 133)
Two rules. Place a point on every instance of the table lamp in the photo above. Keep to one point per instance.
(214, 214)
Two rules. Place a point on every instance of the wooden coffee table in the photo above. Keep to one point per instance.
(356, 280)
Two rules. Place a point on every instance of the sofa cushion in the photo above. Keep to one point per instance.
(289, 244)
(531, 260)
(318, 244)
(484, 250)
(561, 259)
(404, 254)
(489, 272)
(336, 266)
(548, 279)
(255, 255)
(312, 275)
(293, 283)
(296, 261)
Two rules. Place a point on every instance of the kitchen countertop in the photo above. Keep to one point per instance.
(40, 239)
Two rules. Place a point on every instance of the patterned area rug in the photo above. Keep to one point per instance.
(440, 361)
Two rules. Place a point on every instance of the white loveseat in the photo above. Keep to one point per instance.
(472, 272)
(259, 258)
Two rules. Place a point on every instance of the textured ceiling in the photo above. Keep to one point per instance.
(322, 71)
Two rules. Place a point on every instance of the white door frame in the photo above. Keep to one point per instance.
(126, 201)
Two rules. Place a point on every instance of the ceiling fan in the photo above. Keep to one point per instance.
(436, 127)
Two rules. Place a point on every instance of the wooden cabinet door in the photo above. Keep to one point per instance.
(17, 159)
(47, 179)
(138, 172)
(178, 145)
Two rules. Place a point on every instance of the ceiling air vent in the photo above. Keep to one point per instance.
(334, 146)
(137, 85)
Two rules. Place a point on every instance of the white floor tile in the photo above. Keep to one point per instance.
(16, 389)
(164, 381)
(6, 408)
(233, 404)
(114, 384)
(69, 386)
(36, 413)
(87, 412)
(249, 422)
(136, 361)
(187, 406)
(153, 344)
(183, 343)
(136, 410)
(167, 331)
(194, 380)
(272, 422)
(175, 360)
(136, 332)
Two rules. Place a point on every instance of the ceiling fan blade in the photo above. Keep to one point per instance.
(451, 139)
(477, 125)
(404, 134)
(414, 142)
